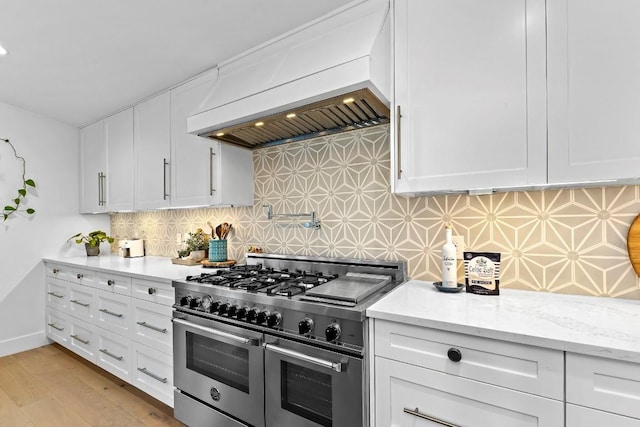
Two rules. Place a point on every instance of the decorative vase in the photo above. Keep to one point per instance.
(92, 250)
(217, 250)
(197, 255)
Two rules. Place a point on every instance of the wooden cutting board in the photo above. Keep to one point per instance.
(633, 244)
(212, 264)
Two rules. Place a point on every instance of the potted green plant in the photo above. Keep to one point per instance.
(197, 244)
(92, 241)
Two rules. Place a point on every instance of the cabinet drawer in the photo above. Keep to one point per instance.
(114, 353)
(579, 416)
(607, 384)
(82, 303)
(160, 293)
(152, 325)
(114, 283)
(57, 294)
(530, 369)
(83, 277)
(153, 372)
(113, 312)
(82, 338)
(57, 326)
(407, 393)
(58, 271)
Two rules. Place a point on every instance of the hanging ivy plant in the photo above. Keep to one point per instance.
(14, 206)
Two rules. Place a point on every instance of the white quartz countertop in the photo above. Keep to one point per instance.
(147, 267)
(598, 326)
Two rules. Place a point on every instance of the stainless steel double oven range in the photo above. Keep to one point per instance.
(280, 341)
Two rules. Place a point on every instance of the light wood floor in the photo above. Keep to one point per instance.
(51, 386)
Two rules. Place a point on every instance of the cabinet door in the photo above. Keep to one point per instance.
(469, 108)
(579, 416)
(407, 395)
(594, 90)
(93, 155)
(191, 155)
(153, 149)
(118, 135)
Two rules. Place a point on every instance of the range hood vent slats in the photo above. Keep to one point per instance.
(316, 119)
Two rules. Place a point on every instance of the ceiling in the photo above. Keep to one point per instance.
(80, 60)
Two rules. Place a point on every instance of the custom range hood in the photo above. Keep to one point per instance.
(329, 76)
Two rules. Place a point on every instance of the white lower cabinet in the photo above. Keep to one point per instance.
(120, 323)
(82, 338)
(114, 312)
(579, 416)
(427, 377)
(57, 326)
(607, 386)
(153, 326)
(114, 353)
(408, 395)
(153, 372)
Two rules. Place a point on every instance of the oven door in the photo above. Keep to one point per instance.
(308, 386)
(221, 365)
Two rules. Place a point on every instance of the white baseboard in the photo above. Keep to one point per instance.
(23, 343)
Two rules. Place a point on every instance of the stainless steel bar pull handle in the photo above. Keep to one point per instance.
(111, 313)
(334, 366)
(152, 375)
(56, 327)
(221, 334)
(53, 294)
(417, 413)
(108, 353)
(84, 304)
(164, 178)
(398, 144)
(77, 338)
(155, 328)
(211, 154)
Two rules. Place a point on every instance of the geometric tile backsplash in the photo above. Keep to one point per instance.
(565, 241)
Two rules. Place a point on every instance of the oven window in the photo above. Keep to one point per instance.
(220, 361)
(306, 392)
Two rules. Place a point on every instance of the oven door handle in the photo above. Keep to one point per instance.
(221, 334)
(334, 366)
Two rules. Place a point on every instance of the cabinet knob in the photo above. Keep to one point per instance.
(454, 354)
(110, 282)
(79, 276)
(55, 271)
(152, 291)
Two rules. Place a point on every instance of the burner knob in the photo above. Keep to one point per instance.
(214, 306)
(252, 314)
(262, 317)
(223, 309)
(242, 313)
(332, 332)
(185, 300)
(233, 310)
(194, 303)
(274, 319)
(305, 326)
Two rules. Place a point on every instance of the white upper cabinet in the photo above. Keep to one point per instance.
(469, 95)
(205, 172)
(152, 125)
(177, 169)
(594, 90)
(190, 154)
(94, 167)
(118, 137)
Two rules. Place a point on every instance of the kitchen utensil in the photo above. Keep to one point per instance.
(219, 231)
(226, 228)
(633, 244)
(212, 228)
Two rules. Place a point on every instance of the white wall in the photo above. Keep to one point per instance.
(51, 151)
